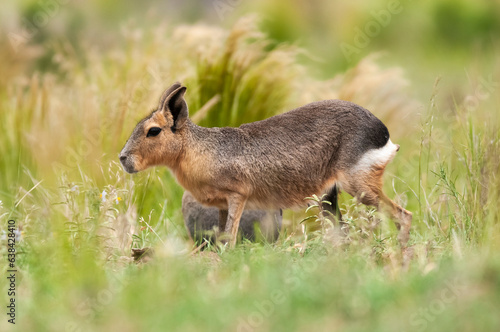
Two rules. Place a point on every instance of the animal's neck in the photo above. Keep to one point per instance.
(199, 140)
(195, 162)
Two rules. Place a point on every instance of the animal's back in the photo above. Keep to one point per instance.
(328, 121)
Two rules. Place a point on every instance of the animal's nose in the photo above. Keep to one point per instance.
(123, 158)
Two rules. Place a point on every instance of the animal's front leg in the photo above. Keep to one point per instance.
(236, 205)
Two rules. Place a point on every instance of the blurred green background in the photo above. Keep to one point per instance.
(76, 76)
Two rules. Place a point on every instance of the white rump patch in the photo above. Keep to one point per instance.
(377, 157)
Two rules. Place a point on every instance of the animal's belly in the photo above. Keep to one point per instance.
(210, 197)
(288, 195)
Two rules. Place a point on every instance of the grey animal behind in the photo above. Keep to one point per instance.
(202, 222)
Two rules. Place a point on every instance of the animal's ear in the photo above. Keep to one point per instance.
(176, 105)
(167, 93)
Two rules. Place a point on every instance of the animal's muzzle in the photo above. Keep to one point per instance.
(127, 164)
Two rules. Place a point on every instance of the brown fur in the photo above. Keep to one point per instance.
(274, 163)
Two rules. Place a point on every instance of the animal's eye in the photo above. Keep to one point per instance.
(153, 131)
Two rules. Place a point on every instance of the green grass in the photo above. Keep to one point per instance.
(62, 126)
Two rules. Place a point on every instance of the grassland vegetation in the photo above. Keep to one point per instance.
(79, 214)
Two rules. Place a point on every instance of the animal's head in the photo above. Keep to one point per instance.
(158, 138)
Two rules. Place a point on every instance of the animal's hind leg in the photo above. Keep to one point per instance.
(367, 187)
(332, 197)
(404, 217)
(334, 209)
